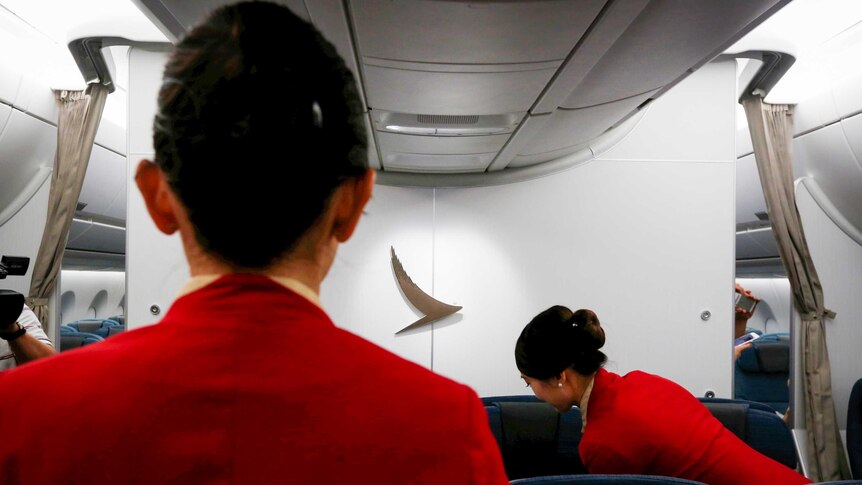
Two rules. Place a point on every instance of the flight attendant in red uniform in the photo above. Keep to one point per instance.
(638, 423)
(260, 165)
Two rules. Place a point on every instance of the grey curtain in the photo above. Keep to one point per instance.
(78, 120)
(771, 128)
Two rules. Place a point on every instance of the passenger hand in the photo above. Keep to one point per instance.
(741, 314)
(738, 350)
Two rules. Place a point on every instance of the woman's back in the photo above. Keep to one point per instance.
(642, 423)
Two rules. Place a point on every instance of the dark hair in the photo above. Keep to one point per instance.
(259, 120)
(557, 339)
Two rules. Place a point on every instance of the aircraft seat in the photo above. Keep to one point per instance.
(854, 430)
(533, 444)
(534, 439)
(762, 370)
(77, 339)
(756, 424)
(603, 480)
(98, 326)
(110, 331)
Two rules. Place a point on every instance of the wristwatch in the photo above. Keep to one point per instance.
(10, 336)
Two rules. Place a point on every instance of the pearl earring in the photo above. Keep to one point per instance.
(559, 384)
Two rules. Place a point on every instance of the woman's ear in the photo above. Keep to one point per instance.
(157, 196)
(354, 195)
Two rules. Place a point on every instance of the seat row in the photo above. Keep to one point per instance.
(537, 441)
(89, 331)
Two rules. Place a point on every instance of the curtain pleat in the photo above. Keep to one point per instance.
(771, 128)
(78, 119)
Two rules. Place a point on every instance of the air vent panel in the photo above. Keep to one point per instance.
(448, 119)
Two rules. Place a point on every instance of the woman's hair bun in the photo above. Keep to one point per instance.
(557, 339)
(588, 323)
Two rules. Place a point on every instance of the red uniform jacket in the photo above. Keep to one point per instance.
(642, 423)
(243, 381)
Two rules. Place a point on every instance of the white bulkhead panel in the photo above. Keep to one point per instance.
(685, 112)
(361, 294)
(155, 263)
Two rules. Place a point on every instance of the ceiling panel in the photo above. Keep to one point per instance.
(471, 32)
(755, 244)
(100, 238)
(572, 128)
(510, 58)
(667, 38)
(437, 90)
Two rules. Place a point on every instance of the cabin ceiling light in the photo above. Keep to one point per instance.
(446, 125)
(450, 131)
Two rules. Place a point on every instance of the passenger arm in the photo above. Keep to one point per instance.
(27, 348)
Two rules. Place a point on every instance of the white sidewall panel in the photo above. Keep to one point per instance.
(838, 260)
(22, 235)
(92, 294)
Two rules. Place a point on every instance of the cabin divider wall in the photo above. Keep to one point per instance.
(643, 234)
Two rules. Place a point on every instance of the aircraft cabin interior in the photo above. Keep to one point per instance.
(588, 153)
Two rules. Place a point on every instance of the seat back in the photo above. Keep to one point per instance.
(534, 439)
(762, 370)
(121, 319)
(604, 480)
(758, 426)
(73, 340)
(109, 331)
(854, 430)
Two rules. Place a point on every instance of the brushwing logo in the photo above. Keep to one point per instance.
(433, 309)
